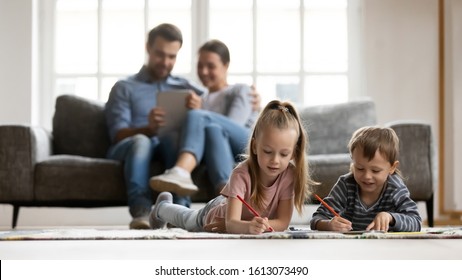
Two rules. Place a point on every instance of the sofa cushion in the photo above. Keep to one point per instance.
(77, 178)
(79, 127)
(330, 127)
(68, 179)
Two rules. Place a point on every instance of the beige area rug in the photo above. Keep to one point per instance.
(175, 233)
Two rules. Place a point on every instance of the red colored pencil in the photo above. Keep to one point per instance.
(251, 209)
(326, 205)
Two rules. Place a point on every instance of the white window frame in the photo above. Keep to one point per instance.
(200, 23)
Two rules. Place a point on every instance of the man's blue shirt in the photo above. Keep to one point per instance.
(131, 99)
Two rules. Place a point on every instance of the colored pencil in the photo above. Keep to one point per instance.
(255, 213)
(326, 205)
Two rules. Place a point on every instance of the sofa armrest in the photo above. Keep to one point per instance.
(21, 147)
(417, 158)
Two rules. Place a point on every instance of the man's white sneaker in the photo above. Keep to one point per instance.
(171, 181)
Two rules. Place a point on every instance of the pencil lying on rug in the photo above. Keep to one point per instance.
(255, 213)
(326, 205)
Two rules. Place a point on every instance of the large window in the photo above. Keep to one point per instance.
(291, 49)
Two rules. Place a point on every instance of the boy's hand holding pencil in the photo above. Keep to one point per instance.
(337, 223)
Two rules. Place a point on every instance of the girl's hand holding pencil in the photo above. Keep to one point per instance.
(258, 219)
(259, 225)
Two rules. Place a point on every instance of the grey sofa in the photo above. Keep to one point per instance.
(67, 167)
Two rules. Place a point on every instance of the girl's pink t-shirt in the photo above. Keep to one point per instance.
(239, 184)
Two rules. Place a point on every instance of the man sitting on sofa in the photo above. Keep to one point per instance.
(133, 118)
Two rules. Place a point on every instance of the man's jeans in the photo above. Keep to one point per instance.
(136, 153)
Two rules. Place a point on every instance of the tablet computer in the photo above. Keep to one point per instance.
(173, 103)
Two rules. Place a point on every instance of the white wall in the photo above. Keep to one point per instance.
(401, 58)
(17, 66)
(453, 114)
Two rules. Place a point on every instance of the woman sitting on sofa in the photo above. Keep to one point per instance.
(218, 133)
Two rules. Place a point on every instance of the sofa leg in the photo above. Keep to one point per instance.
(429, 206)
(15, 215)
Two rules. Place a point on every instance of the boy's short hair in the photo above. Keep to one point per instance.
(373, 138)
